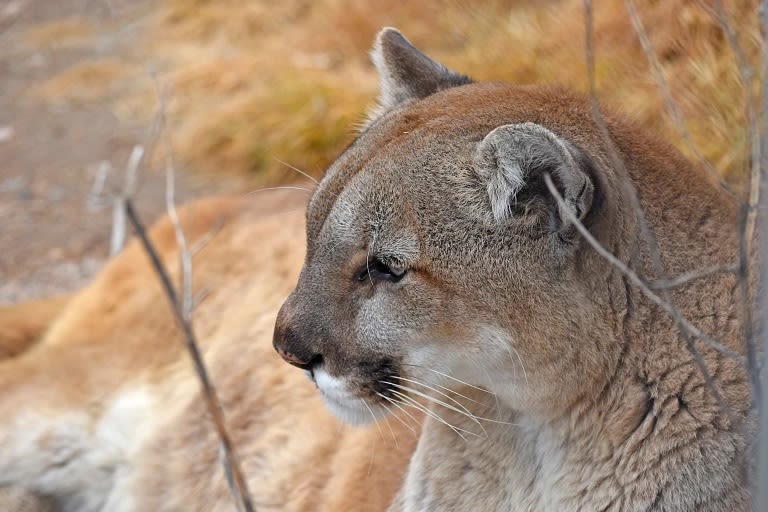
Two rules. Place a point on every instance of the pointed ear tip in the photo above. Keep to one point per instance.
(389, 37)
(388, 34)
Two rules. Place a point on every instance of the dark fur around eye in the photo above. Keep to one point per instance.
(377, 270)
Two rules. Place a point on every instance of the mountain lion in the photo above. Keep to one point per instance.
(446, 294)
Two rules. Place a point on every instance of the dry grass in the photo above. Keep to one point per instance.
(59, 34)
(256, 81)
(86, 82)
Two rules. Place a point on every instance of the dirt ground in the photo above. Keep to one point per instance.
(51, 242)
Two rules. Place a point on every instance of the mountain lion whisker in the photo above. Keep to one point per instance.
(431, 412)
(396, 404)
(452, 378)
(398, 418)
(481, 418)
(463, 408)
(268, 189)
(439, 402)
(305, 174)
(409, 402)
(465, 397)
(373, 417)
(511, 351)
(392, 432)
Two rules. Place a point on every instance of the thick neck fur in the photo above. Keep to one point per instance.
(654, 436)
(621, 450)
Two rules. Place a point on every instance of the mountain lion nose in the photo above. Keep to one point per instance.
(298, 362)
(292, 348)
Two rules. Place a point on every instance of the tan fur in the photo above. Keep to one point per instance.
(581, 393)
(22, 325)
(18, 500)
(116, 339)
(479, 273)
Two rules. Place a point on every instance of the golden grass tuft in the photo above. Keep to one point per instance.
(86, 82)
(254, 81)
(59, 34)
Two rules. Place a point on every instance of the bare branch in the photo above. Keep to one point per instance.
(616, 160)
(693, 275)
(672, 108)
(96, 194)
(131, 181)
(210, 397)
(748, 218)
(117, 237)
(131, 170)
(759, 488)
(205, 240)
(185, 256)
(233, 473)
(181, 309)
(688, 331)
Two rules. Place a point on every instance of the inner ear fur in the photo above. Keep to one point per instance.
(405, 73)
(513, 159)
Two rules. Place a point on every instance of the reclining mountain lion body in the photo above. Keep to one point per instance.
(440, 270)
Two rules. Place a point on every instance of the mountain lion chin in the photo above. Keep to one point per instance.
(344, 404)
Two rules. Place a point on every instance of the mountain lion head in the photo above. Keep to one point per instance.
(438, 257)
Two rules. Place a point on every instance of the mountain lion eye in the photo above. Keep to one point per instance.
(377, 270)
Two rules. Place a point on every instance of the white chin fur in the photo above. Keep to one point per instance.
(342, 403)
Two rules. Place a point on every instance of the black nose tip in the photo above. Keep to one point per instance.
(305, 363)
(310, 365)
(293, 348)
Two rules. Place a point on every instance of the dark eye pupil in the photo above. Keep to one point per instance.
(377, 270)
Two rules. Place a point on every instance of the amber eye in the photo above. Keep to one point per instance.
(377, 270)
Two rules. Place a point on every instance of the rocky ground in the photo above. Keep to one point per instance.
(51, 241)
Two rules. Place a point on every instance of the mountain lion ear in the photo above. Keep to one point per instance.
(513, 160)
(407, 74)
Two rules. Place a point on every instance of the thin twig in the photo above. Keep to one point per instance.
(185, 255)
(117, 239)
(616, 160)
(688, 331)
(694, 275)
(685, 325)
(131, 170)
(671, 106)
(748, 217)
(759, 488)
(206, 239)
(131, 183)
(209, 392)
(182, 310)
(117, 235)
(233, 473)
(96, 194)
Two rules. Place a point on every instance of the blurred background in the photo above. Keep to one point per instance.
(247, 89)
